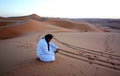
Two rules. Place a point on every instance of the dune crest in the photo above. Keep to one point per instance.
(28, 26)
(34, 23)
(81, 26)
(85, 50)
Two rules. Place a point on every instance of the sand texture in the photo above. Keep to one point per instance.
(84, 49)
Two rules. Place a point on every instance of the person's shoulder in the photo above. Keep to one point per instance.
(51, 42)
(42, 39)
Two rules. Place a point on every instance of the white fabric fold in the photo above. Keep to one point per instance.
(43, 53)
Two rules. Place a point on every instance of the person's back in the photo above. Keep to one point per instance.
(46, 49)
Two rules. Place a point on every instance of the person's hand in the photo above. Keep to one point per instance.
(57, 50)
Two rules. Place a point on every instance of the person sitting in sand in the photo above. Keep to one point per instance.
(46, 50)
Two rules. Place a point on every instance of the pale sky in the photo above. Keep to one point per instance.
(61, 8)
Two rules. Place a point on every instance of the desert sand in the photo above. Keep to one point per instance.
(84, 49)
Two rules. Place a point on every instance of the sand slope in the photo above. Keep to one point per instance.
(82, 26)
(84, 49)
(28, 26)
(77, 54)
(16, 27)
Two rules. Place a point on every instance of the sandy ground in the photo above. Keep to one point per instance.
(81, 53)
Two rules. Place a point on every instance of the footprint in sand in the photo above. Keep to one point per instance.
(90, 57)
(74, 74)
(108, 42)
(73, 66)
(26, 45)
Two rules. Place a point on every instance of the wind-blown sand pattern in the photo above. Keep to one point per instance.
(91, 55)
(84, 49)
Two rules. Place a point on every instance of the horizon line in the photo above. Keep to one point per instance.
(61, 17)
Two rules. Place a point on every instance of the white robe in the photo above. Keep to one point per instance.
(43, 53)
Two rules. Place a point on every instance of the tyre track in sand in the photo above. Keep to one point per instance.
(91, 56)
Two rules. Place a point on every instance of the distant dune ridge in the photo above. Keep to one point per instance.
(86, 49)
(34, 23)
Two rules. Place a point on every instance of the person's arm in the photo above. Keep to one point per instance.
(55, 47)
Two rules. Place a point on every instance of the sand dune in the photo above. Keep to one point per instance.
(32, 16)
(78, 53)
(19, 25)
(81, 26)
(84, 49)
(28, 26)
(4, 23)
